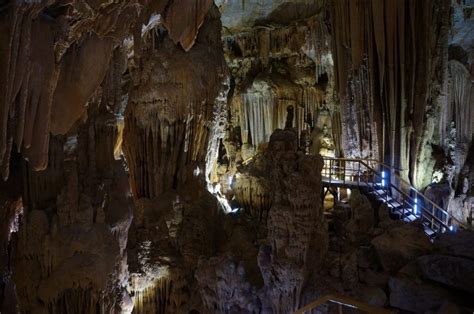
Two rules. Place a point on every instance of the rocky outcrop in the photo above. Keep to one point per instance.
(449, 270)
(279, 239)
(400, 245)
(237, 15)
(287, 65)
(225, 288)
(170, 109)
(297, 234)
(354, 220)
(415, 296)
(171, 123)
(460, 244)
(166, 242)
(74, 241)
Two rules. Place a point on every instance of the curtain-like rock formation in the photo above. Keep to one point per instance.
(171, 121)
(390, 69)
(54, 56)
(170, 111)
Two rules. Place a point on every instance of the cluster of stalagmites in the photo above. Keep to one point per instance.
(277, 240)
(69, 254)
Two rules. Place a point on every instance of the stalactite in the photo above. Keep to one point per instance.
(459, 108)
(42, 188)
(155, 299)
(52, 65)
(383, 49)
(253, 195)
(157, 157)
(184, 22)
(168, 118)
(263, 109)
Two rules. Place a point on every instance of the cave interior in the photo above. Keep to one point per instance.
(236, 156)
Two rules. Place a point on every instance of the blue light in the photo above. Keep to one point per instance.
(451, 228)
(416, 206)
(383, 178)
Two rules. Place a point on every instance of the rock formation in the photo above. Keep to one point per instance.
(164, 156)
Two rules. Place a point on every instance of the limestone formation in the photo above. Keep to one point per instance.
(166, 156)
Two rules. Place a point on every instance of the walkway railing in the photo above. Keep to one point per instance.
(342, 302)
(388, 186)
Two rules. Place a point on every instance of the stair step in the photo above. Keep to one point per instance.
(372, 186)
(378, 192)
(409, 218)
(429, 232)
(393, 204)
(386, 199)
(406, 211)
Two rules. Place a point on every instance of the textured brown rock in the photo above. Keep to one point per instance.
(53, 59)
(169, 112)
(76, 244)
(297, 236)
(224, 287)
(83, 69)
(414, 296)
(449, 270)
(184, 19)
(400, 245)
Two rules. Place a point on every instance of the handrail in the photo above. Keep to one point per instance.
(345, 301)
(460, 223)
(418, 193)
(421, 195)
(436, 224)
(407, 183)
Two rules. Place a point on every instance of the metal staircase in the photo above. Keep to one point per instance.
(343, 305)
(379, 181)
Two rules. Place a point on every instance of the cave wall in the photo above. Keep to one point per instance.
(63, 74)
(73, 238)
(54, 56)
(172, 120)
(146, 159)
(276, 63)
(396, 53)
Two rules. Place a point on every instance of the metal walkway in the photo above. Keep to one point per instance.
(343, 304)
(379, 181)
